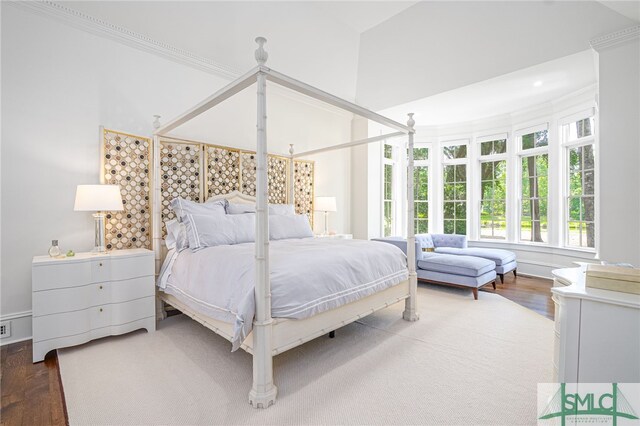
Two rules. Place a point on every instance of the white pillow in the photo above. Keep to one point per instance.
(240, 208)
(184, 207)
(274, 209)
(176, 236)
(282, 209)
(215, 230)
(292, 226)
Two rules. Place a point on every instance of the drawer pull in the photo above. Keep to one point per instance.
(100, 287)
(100, 264)
(100, 309)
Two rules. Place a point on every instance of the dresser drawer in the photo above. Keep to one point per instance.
(132, 267)
(61, 300)
(69, 274)
(77, 322)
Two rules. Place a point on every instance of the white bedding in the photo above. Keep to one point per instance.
(308, 276)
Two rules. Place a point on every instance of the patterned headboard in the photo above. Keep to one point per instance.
(198, 171)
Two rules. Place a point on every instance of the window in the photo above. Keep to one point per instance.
(493, 147)
(455, 189)
(533, 211)
(493, 211)
(388, 191)
(534, 189)
(580, 203)
(421, 190)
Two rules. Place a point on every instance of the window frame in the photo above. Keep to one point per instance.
(396, 192)
(566, 145)
(524, 153)
(426, 163)
(490, 158)
(454, 162)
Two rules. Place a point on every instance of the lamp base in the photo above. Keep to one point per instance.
(99, 246)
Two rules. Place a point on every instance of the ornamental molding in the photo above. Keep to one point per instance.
(122, 35)
(616, 38)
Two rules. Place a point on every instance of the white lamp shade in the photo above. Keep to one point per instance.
(325, 204)
(98, 198)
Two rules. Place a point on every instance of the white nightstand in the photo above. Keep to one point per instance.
(336, 236)
(88, 296)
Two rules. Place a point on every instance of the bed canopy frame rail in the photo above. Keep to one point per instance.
(263, 391)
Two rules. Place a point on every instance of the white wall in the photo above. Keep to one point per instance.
(620, 152)
(59, 84)
(433, 47)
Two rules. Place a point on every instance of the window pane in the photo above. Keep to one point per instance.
(533, 226)
(580, 217)
(461, 227)
(449, 191)
(579, 129)
(449, 226)
(388, 151)
(461, 151)
(420, 153)
(449, 173)
(527, 141)
(487, 190)
(500, 146)
(449, 152)
(449, 210)
(486, 170)
(542, 138)
(486, 148)
(460, 191)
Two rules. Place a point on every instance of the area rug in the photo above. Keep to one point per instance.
(464, 362)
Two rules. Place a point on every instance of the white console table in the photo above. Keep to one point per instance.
(597, 332)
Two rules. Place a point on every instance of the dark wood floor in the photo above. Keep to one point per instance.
(32, 394)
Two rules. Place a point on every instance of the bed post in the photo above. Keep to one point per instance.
(410, 313)
(263, 392)
(292, 184)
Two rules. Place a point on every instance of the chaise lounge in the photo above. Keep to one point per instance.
(453, 270)
(505, 260)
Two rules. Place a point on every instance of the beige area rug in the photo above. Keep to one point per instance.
(464, 362)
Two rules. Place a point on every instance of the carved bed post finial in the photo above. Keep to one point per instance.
(291, 149)
(156, 122)
(261, 54)
(411, 122)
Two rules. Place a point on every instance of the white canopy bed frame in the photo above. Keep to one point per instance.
(271, 336)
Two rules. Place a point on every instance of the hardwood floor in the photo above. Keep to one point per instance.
(530, 292)
(32, 394)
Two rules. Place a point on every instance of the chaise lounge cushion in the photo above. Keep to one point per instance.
(500, 257)
(458, 265)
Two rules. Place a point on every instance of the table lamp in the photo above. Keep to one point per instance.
(326, 205)
(99, 199)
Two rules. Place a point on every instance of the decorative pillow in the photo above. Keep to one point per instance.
(176, 236)
(274, 209)
(183, 207)
(292, 226)
(215, 230)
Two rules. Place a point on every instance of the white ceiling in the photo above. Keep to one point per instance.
(505, 94)
(363, 15)
(628, 8)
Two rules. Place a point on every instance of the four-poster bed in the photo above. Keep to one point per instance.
(271, 336)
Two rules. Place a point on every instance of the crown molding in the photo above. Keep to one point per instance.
(122, 35)
(615, 38)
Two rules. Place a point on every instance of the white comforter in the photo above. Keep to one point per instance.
(308, 276)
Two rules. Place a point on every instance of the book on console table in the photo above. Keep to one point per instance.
(614, 278)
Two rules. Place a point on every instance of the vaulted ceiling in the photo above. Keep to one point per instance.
(379, 53)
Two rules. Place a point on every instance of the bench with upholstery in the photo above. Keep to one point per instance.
(505, 260)
(456, 270)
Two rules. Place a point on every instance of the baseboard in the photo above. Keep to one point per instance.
(20, 327)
